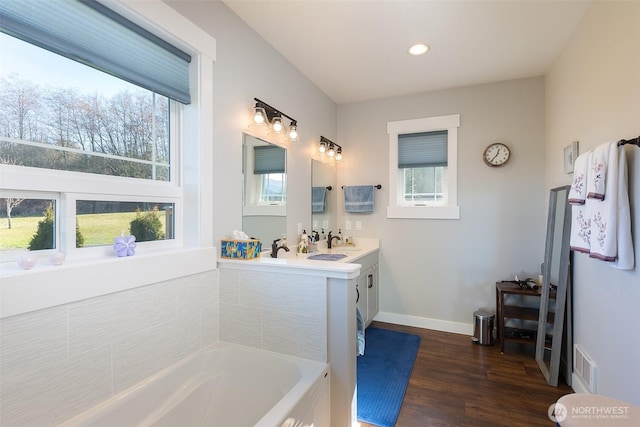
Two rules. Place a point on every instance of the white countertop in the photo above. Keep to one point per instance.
(292, 260)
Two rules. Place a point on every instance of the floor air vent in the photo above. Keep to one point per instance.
(584, 368)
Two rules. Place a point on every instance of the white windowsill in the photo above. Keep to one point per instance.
(424, 212)
(22, 291)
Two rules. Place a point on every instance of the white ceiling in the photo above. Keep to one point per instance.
(356, 50)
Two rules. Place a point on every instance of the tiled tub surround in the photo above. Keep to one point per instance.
(60, 361)
(275, 311)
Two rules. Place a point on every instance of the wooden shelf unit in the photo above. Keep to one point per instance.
(506, 311)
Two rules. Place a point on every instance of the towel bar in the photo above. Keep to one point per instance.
(376, 186)
(634, 141)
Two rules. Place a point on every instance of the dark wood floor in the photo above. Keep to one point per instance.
(456, 383)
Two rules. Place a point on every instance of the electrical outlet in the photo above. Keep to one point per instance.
(325, 224)
(347, 225)
(358, 225)
(315, 225)
(299, 228)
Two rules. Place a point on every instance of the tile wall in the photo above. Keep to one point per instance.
(286, 313)
(60, 361)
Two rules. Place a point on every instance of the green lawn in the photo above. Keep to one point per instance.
(97, 229)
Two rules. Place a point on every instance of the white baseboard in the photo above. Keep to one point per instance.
(425, 322)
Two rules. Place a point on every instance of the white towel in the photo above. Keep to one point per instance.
(359, 332)
(596, 186)
(580, 222)
(578, 191)
(611, 239)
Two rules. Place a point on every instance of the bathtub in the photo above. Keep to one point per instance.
(223, 385)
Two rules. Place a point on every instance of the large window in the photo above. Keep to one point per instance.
(423, 168)
(87, 146)
(92, 122)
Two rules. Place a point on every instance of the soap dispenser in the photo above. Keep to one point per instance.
(340, 241)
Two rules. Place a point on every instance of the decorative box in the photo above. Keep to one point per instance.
(241, 249)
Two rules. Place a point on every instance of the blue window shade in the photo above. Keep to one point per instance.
(423, 149)
(94, 35)
(268, 159)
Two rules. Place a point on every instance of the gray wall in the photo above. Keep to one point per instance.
(595, 98)
(435, 273)
(247, 67)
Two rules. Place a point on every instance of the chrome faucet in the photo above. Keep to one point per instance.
(330, 240)
(275, 248)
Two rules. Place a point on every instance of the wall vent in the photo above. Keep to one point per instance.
(584, 368)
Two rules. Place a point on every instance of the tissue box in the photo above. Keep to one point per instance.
(241, 249)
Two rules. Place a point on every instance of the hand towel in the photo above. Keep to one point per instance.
(578, 191)
(358, 198)
(360, 332)
(596, 186)
(580, 239)
(611, 239)
(318, 199)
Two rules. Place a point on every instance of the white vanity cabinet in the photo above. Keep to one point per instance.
(367, 287)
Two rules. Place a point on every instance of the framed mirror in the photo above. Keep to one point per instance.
(554, 320)
(264, 189)
(323, 197)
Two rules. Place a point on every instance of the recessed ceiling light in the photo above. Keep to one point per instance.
(418, 49)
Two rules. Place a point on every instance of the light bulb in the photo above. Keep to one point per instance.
(293, 132)
(277, 124)
(323, 147)
(339, 154)
(331, 152)
(258, 116)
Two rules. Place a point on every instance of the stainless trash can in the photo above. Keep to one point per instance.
(482, 328)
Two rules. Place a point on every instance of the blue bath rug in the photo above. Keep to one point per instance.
(383, 374)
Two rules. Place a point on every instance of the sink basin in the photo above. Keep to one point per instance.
(327, 257)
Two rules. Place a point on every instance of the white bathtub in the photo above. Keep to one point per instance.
(224, 385)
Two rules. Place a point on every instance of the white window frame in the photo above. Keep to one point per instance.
(45, 285)
(449, 208)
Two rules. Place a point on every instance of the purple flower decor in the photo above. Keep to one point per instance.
(125, 245)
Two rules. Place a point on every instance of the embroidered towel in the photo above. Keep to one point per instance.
(611, 218)
(596, 185)
(578, 191)
(318, 199)
(580, 239)
(358, 198)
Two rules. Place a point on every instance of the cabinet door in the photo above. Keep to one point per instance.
(372, 292)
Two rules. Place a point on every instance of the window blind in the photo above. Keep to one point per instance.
(268, 159)
(90, 33)
(422, 149)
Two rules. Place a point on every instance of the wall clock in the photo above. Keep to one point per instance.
(496, 154)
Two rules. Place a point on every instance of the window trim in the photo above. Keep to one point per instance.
(448, 210)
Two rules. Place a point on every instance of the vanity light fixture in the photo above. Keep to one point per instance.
(331, 148)
(265, 114)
